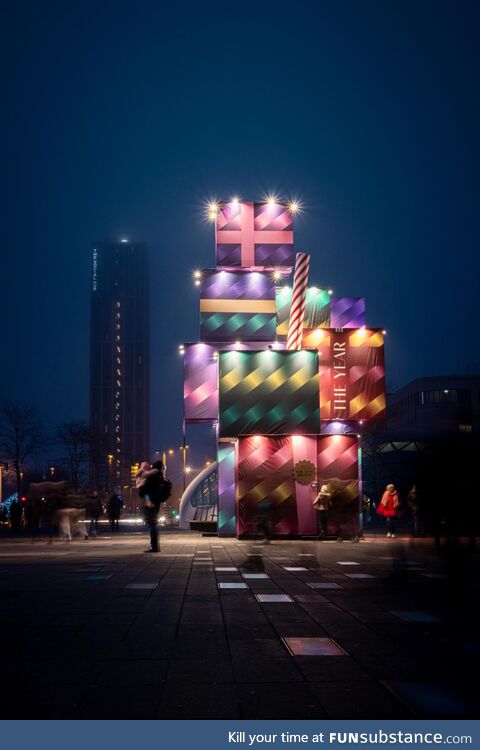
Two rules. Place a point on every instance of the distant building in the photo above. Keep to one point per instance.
(432, 429)
(436, 404)
(119, 362)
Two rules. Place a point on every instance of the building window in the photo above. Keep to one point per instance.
(465, 427)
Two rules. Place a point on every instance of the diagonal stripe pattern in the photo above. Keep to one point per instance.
(235, 305)
(254, 234)
(265, 484)
(297, 310)
(268, 392)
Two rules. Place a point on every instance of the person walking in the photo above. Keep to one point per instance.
(389, 508)
(322, 505)
(414, 504)
(94, 512)
(114, 508)
(16, 512)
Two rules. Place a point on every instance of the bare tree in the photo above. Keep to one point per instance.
(74, 438)
(21, 435)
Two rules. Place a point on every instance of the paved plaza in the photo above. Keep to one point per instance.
(221, 628)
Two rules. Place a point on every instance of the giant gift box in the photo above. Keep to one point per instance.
(321, 311)
(200, 387)
(235, 305)
(254, 234)
(267, 487)
(352, 374)
(268, 393)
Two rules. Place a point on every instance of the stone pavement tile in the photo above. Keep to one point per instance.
(274, 598)
(420, 616)
(239, 604)
(198, 702)
(279, 701)
(231, 585)
(54, 701)
(200, 670)
(323, 585)
(311, 599)
(386, 664)
(331, 669)
(123, 604)
(313, 646)
(202, 618)
(145, 587)
(435, 700)
(295, 627)
(244, 632)
(265, 669)
(258, 648)
(202, 640)
(131, 674)
(119, 702)
(358, 700)
(149, 647)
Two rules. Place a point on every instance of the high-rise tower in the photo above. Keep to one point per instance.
(119, 362)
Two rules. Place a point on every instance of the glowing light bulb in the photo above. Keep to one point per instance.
(294, 207)
(277, 275)
(212, 210)
(235, 200)
(271, 199)
(330, 291)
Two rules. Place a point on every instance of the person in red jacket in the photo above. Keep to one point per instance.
(389, 508)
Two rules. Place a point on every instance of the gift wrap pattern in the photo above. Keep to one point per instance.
(266, 488)
(347, 312)
(254, 234)
(268, 392)
(337, 467)
(200, 385)
(352, 374)
(235, 305)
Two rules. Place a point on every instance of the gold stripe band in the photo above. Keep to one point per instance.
(237, 306)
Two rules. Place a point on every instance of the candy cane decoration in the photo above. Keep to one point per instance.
(297, 309)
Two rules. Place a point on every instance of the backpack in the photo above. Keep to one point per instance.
(164, 490)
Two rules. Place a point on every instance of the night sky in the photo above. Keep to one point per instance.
(120, 119)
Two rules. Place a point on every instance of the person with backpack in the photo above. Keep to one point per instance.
(154, 490)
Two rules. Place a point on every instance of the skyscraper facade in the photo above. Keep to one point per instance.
(119, 363)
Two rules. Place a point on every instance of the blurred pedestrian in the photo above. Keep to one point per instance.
(389, 508)
(114, 509)
(16, 512)
(416, 511)
(94, 511)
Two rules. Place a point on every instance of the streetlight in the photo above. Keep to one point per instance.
(164, 454)
(52, 471)
(186, 469)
